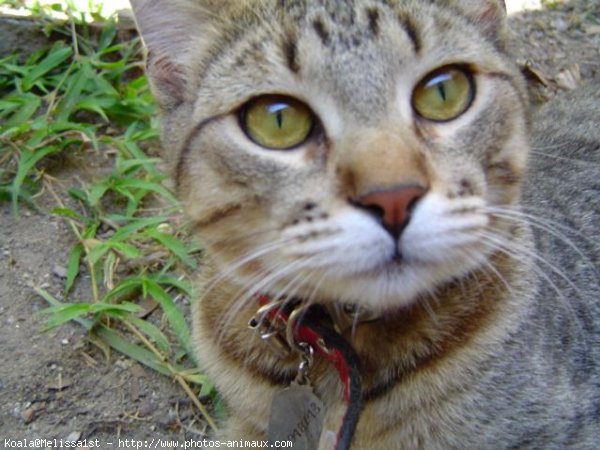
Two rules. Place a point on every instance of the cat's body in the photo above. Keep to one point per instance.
(477, 341)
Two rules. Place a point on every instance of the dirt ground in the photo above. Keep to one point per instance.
(56, 385)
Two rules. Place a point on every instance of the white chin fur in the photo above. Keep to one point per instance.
(351, 257)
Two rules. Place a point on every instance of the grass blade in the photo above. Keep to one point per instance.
(22, 107)
(135, 352)
(152, 332)
(55, 58)
(85, 323)
(172, 313)
(73, 266)
(27, 161)
(174, 245)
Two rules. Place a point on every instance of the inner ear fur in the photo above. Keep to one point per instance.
(174, 32)
(488, 15)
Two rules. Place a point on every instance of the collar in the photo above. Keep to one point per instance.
(279, 322)
(290, 325)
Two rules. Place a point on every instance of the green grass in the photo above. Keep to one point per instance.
(86, 94)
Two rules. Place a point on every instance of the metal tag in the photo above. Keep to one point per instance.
(296, 415)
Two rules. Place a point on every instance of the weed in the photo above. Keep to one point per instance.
(87, 91)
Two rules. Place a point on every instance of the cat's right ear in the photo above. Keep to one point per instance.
(488, 15)
(174, 32)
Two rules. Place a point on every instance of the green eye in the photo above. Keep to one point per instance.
(444, 95)
(277, 122)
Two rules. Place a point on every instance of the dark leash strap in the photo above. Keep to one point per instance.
(315, 329)
(343, 357)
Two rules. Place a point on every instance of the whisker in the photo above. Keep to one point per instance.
(497, 243)
(550, 227)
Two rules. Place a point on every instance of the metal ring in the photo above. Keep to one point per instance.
(291, 324)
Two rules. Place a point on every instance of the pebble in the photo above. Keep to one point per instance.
(30, 414)
(59, 271)
(73, 437)
(123, 364)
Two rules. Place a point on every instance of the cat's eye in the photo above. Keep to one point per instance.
(444, 94)
(277, 122)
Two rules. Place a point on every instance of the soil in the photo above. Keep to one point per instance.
(57, 385)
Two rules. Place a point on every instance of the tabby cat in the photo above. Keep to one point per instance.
(374, 157)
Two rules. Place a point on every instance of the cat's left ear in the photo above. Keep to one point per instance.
(175, 33)
(488, 15)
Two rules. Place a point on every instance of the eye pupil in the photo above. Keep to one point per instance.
(442, 90)
(279, 117)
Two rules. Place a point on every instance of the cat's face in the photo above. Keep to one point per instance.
(349, 151)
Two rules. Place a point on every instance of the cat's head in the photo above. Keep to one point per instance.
(354, 151)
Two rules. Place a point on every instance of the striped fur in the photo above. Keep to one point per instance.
(482, 341)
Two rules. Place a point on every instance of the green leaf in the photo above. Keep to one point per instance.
(208, 387)
(109, 32)
(168, 280)
(126, 287)
(152, 332)
(57, 55)
(79, 194)
(73, 266)
(172, 313)
(69, 214)
(124, 166)
(22, 106)
(96, 253)
(128, 183)
(132, 351)
(64, 313)
(97, 191)
(135, 226)
(174, 245)
(97, 105)
(110, 308)
(75, 86)
(27, 162)
(127, 250)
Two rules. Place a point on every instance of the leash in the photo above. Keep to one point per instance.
(287, 324)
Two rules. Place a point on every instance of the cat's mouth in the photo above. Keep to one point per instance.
(351, 257)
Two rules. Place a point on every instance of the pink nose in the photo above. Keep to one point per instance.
(393, 206)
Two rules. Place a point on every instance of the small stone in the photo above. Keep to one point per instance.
(138, 370)
(30, 414)
(73, 437)
(59, 271)
(122, 364)
(592, 29)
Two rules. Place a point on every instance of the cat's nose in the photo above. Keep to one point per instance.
(393, 207)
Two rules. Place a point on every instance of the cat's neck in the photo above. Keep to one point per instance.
(480, 310)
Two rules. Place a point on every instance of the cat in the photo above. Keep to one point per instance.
(374, 157)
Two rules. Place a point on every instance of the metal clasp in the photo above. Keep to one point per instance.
(271, 331)
(306, 363)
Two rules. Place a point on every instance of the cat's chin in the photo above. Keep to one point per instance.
(395, 284)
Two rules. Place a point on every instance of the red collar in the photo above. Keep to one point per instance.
(289, 325)
(305, 334)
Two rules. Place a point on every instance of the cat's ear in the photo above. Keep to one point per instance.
(489, 15)
(174, 32)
